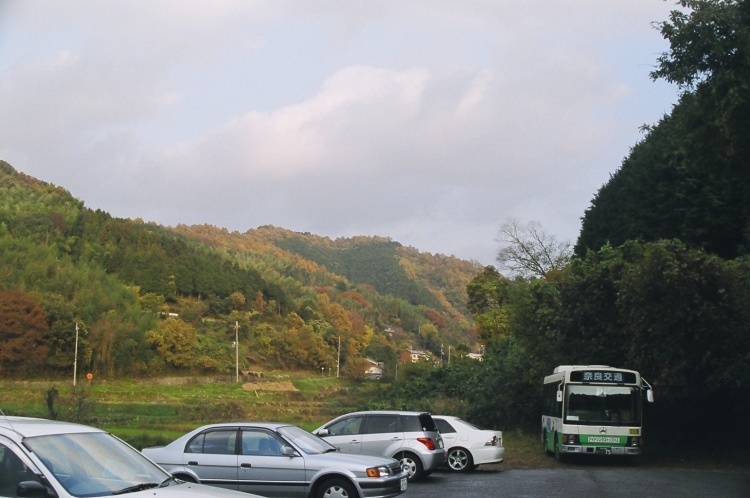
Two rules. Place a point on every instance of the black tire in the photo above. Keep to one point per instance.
(412, 465)
(459, 460)
(336, 488)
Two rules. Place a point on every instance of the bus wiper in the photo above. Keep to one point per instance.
(137, 487)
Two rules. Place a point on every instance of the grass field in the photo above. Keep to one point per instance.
(155, 411)
(152, 412)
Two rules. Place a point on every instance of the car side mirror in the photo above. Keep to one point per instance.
(32, 489)
(559, 396)
(288, 451)
(323, 433)
(650, 395)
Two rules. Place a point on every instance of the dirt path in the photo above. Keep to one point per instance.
(269, 386)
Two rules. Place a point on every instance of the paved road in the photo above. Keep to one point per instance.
(581, 481)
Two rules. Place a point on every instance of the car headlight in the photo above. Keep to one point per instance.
(378, 472)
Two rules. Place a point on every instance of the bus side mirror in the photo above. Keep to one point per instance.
(650, 395)
(559, 396)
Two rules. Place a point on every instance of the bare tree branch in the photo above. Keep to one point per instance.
(529, 251)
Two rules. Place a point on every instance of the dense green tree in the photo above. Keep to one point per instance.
(62, 317)
(686, 317)
(488, 296)
(689, 178)
(709, 40)
(175, 341)
(589, 319)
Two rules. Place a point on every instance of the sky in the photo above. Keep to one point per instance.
(431, 122)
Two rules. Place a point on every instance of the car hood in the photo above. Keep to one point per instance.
(345, 460)
(191, 490)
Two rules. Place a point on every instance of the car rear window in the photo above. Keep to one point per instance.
(428, 424)
(444, 426)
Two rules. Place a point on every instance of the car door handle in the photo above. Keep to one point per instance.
(245, 465)
(355, 441)
(192, 462)
(396, 438)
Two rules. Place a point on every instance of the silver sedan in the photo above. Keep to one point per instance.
(276, 460)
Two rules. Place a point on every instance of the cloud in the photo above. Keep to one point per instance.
(426, 121)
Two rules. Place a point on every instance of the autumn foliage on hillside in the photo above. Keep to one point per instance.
(148, 299)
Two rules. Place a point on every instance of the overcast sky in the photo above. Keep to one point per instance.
(427, 121)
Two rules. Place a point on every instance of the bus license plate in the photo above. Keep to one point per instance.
(403, 484)
(604, 451)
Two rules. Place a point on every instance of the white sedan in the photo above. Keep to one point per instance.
(468, 446)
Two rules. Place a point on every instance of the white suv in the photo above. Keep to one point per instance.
(410, 437)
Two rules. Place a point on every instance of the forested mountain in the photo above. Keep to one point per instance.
(148, 299)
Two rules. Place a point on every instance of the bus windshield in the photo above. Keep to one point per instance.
(603, 405)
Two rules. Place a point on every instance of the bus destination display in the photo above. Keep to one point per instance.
(602, 376)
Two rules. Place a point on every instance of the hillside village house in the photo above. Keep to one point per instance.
(413, 356)
(374, 369)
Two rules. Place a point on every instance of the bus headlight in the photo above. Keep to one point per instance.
(570, 439)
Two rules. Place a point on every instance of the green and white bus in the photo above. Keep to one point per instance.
(593, 410)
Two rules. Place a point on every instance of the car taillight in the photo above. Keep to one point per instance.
(427, 442)
(491, 442)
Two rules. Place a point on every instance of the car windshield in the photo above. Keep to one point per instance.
(95, 463)
(305, 441)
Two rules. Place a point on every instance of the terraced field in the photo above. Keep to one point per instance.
(155, 411)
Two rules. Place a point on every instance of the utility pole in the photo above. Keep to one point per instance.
(236, 351)
(75, 359)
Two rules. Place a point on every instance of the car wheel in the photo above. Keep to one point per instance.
(336, 488)
(459, 460)
(412, 465)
